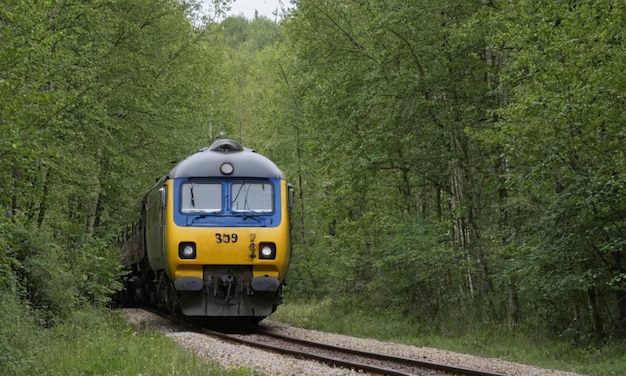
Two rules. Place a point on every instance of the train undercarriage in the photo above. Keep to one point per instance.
(226, 291)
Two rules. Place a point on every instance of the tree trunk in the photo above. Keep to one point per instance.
(514, 311)
(44, 197)
(15, 204)
(91, 212)
(465, 220)
(620, 295)
(596, 318)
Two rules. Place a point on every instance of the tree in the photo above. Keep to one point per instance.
(97, 100)
(389, 91)
(562, 134)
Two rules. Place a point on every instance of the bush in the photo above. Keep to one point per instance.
(18, 334)
(54, 280)
(96, 270)
(41, 275)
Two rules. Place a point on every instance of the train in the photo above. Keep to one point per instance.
(213, 237)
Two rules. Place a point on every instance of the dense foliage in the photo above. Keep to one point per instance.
(96, 100)
(92, 342)
(455, 161)
(463, 160)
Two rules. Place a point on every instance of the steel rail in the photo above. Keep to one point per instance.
(384, 357)
(426, 365)
(307, 355)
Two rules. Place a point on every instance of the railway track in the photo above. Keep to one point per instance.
(355, 359)
(344, 357)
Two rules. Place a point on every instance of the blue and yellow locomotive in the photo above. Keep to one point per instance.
(214, 236)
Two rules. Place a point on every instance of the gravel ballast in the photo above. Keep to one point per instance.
(231, 355)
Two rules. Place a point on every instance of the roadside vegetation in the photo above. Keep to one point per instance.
(91, 342)
(465, 335)
(459, 166)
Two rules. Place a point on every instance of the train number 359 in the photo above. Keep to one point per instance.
(226, 238)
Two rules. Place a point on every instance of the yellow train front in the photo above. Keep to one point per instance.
(216, 235)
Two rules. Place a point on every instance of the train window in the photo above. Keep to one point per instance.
(252, 197)
(201, 197)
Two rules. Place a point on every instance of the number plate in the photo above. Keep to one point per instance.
(226, 238)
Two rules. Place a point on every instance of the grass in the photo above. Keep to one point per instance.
(96, 342)
(487, 341)
(92, 342)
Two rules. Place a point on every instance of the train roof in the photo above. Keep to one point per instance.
(208, 162)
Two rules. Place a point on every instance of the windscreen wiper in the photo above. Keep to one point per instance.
(195, 218)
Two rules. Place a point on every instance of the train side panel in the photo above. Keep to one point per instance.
(156, 212)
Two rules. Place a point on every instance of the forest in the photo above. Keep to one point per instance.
(454, 161)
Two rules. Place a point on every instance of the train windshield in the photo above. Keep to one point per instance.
(252, 197)
(201, 197)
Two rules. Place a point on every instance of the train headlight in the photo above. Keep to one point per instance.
(227, 168)
(267, 251)
(187, 250)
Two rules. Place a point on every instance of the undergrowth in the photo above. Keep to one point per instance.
(90, 342)
(483, 340)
